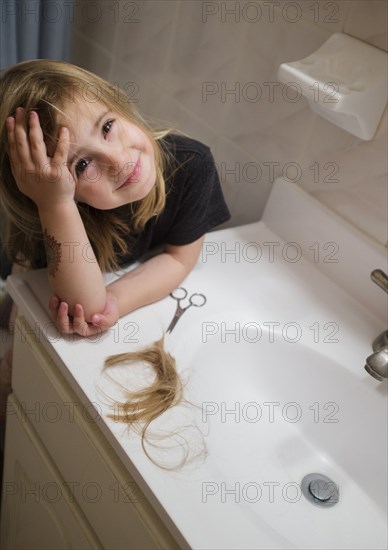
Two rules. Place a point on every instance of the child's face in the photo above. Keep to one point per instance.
(112, 160)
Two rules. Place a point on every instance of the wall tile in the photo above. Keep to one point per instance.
(240, 16)
(337, 166)
(90, 56)
(367, 20)
(329, 15)
(146, 39)
(365, 215)
(244, 180)
(98, 20)
(139, 88)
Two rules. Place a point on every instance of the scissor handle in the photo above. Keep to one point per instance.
(179, 293)
(197, 300)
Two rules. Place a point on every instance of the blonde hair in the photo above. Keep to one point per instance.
(140, 407)
(47, 86)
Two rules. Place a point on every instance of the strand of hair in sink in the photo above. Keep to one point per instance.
(142, 407)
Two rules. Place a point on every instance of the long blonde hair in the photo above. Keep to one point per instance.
(46, 86)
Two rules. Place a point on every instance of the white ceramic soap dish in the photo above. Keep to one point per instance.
(345, 81)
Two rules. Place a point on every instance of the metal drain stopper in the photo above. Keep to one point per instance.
(320, 490)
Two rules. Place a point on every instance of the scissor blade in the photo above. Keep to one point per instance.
(176, 318)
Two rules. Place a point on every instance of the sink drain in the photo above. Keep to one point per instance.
(320, 490)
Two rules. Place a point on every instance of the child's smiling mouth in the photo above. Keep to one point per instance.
(133, 176)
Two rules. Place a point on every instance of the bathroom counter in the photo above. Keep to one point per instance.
(258, 286)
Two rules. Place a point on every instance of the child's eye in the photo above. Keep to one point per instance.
(81, 166)
(107, 127)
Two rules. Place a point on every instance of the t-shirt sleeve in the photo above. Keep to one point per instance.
(201, 206)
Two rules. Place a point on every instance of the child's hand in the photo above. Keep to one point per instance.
(77, 324)
(45, 180)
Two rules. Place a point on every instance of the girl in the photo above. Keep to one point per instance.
(88, 186)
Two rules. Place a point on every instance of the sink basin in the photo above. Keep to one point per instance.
(275, 411)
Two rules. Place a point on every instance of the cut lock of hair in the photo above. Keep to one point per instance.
(141, 407)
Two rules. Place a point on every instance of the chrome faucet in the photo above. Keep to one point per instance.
(377, 363)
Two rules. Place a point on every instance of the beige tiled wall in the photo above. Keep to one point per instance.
(209, 68)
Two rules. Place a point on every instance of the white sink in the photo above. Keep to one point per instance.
(275, 364)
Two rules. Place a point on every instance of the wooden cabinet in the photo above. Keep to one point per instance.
(37, 509)
(63, 487)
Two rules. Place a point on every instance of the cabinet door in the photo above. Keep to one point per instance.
(37, 511)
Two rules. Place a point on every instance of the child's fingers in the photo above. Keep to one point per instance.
(10, 125)
(12, 146)
(53, 306)
(37, 144)
(97, 320)
(63, 319)
(62, 151)
(22, 144)
(12, 151)
(80, 326)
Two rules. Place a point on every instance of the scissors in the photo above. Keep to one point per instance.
(179, 294)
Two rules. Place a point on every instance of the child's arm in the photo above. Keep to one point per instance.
(149, 282)
(74, 274)
(156, 278)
